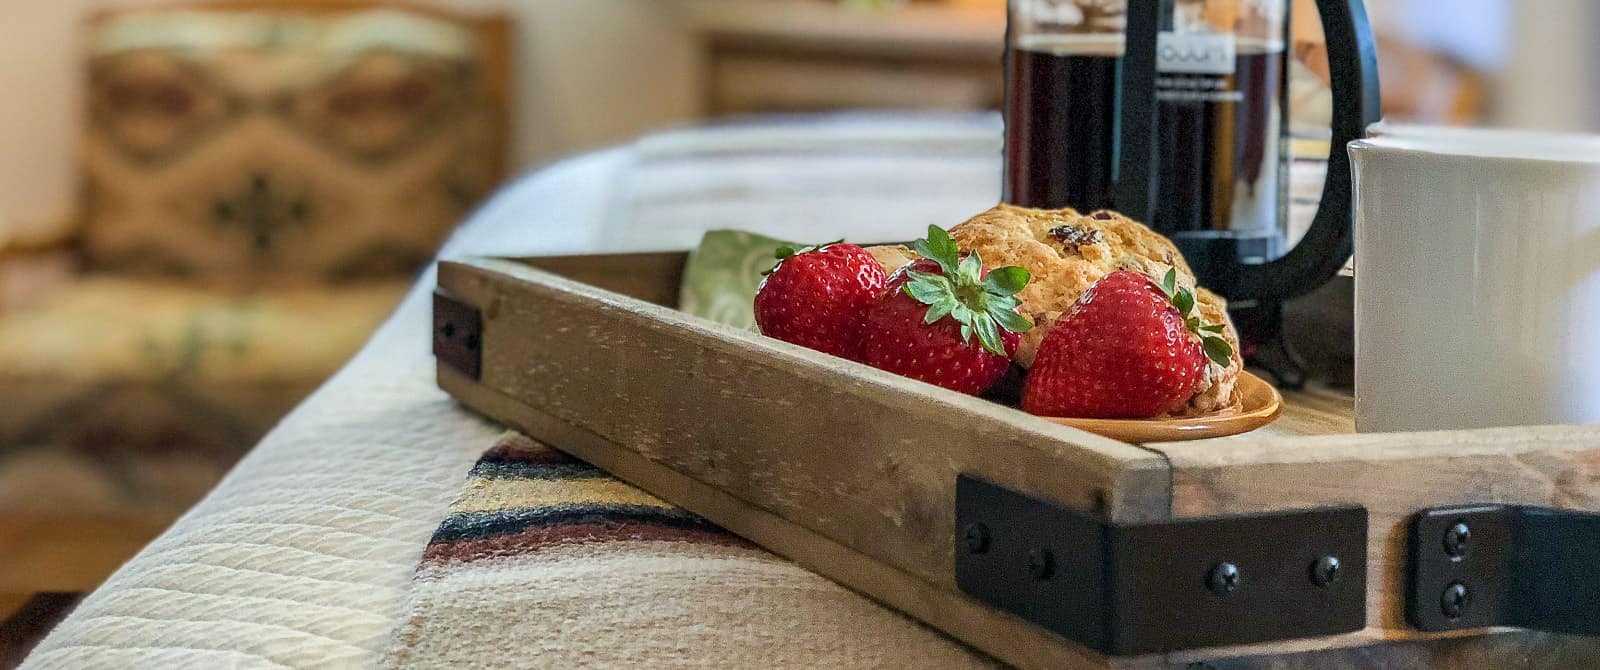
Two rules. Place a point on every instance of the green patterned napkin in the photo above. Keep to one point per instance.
(719, 283)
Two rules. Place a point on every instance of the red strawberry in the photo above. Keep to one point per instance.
(817, 297)
(1127, 349)
(924, 325)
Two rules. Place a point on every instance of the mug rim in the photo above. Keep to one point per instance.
(1483, 143)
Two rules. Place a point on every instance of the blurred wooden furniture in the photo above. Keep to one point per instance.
(261, 182)
(1420, 85)
(804, 55)
(1424, 86)
(807, 55)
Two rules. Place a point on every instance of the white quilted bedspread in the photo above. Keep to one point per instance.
(303, 555)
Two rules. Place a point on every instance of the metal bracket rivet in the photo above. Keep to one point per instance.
(976, 536)
(1041, 563)
(1454, 600)
(1223, 578)
(1325, 571)
(1457, 539)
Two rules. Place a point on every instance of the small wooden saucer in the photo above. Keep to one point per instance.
(1259, 404)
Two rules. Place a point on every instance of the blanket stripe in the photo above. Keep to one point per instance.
(523, 497)
(545, 562)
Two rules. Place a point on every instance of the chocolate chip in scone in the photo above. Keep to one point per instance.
(1072, 237)
(1102, 215)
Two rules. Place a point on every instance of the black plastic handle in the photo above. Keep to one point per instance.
(1353, 69)
(1136, 177)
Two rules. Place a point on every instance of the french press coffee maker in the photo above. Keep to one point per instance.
(1173, 112)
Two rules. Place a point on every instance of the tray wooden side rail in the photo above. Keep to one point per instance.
(853, 472)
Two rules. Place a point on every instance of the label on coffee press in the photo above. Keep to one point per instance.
(1196, 53)
(1196, 67)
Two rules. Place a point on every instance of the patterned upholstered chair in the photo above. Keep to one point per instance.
(260, 182)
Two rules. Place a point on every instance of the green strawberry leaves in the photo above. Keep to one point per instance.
(1010, 320)
(940, 248)
(1217, 349)
(1007, 280)
(1184, 301)
(970, 270)
(932, 289)
(985, 306)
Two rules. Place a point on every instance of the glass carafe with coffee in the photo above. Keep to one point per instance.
(1173, 112)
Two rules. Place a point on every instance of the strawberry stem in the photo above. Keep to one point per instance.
(984, 306)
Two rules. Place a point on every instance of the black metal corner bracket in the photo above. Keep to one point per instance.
(1139, 588)
(457, 334)
(1504, 565)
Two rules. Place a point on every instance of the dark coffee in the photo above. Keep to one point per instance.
(1061, 122)
(1217, 135)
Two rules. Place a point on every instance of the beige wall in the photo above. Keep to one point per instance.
(1552, 77)
(595, 72)
(588, 73)
(37, 111)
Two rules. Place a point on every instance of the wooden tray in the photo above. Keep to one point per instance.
(853, 472)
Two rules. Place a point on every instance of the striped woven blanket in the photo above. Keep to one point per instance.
(537, 535)
(523, 497)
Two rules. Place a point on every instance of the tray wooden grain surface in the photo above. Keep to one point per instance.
(851, 471)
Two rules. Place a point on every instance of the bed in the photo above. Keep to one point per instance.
(303, 556)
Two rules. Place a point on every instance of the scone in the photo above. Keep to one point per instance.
(892, 256)
(1066, 252)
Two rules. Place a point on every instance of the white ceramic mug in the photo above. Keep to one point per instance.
(1477, 270)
